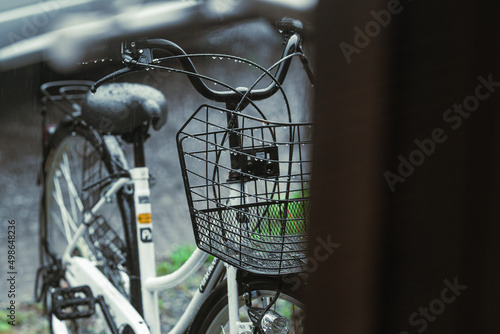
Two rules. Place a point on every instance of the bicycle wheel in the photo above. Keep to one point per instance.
(77, 172)
(213, 316)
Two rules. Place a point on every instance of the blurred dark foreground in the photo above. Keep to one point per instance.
(406, 178)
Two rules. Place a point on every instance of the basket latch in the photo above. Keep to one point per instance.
(251, 163)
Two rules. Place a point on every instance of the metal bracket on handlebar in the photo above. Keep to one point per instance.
(134, 52)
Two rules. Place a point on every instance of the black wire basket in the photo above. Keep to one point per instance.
(247, 182)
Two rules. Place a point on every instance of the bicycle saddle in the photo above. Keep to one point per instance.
(119, 108)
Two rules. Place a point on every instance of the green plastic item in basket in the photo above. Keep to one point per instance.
(296, 216)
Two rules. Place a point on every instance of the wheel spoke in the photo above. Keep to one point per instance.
(294, 317)
(65, 215)
(55, 218)
(75, 199)
(265, 301)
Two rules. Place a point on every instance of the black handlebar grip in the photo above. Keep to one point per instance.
(289, 26)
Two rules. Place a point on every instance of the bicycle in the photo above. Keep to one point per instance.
(248, 202)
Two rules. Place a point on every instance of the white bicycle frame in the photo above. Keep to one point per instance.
(81, 271)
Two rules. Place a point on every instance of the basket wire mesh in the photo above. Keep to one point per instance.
(247, 183)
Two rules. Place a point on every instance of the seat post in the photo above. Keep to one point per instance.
(139, 157)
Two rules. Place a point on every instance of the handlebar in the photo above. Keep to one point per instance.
(292, 45)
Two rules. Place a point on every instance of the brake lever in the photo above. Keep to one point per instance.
(134, 57)
(136, 52)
